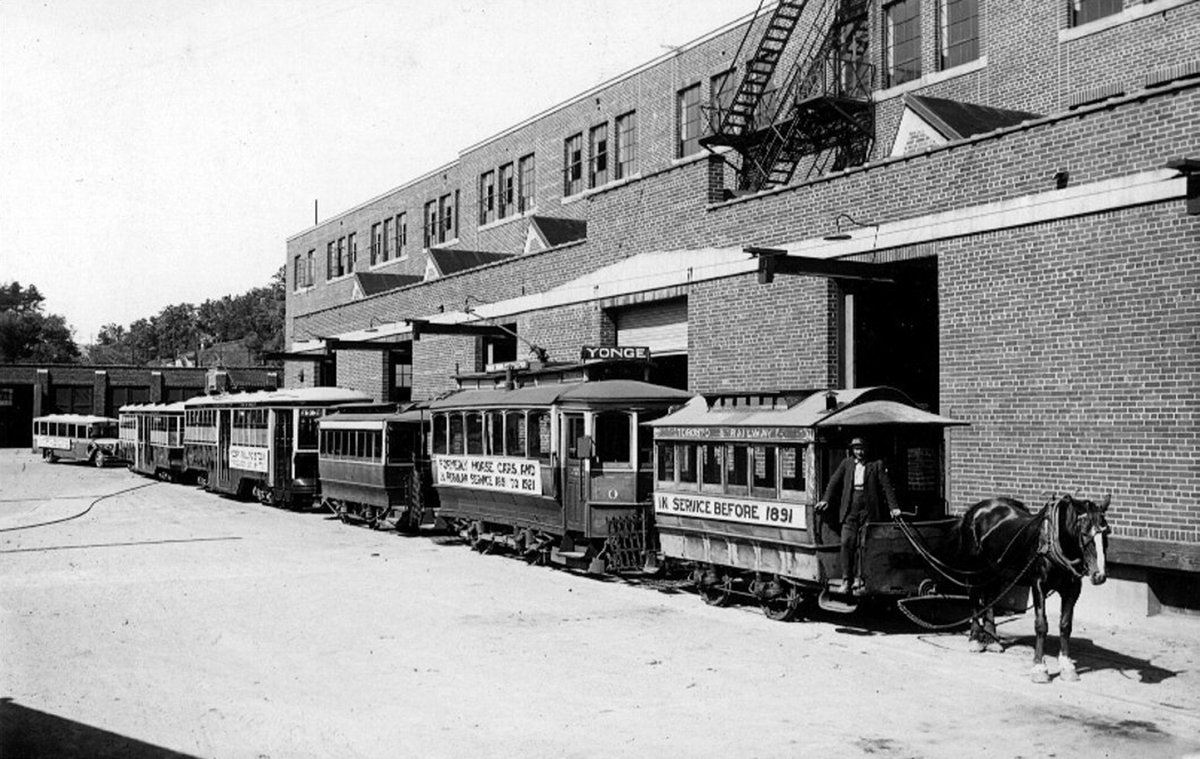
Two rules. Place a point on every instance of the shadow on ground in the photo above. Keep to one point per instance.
(26, 732)
(1090, 657)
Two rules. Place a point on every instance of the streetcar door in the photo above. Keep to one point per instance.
(574, 476)
(223, 433)
(281, 448)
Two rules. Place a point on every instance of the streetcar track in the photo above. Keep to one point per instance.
(165, 541)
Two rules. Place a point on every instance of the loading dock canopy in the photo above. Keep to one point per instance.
(769, 416)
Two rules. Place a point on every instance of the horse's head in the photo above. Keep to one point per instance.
(1087, 524)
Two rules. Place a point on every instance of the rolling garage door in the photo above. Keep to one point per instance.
(662, 327)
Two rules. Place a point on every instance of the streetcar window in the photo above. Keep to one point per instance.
(712, 460)
(666, 462)
(612, 438)
(306, 432)
(573, 430)
(763, 478)
(475, 434)
(495, 433)
(687, 464)
(791, 470)
(514, 433)
(458, 443)
(539, 435)
(399, 443)
(737, 468)
(439, 433)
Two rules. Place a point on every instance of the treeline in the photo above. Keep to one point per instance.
(252, 322)
(185, 331)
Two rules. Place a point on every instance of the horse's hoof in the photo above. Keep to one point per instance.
(1040, 675)
(976, 646)
(994, 647)
(1069, 674)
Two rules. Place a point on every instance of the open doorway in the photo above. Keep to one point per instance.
(889, 331)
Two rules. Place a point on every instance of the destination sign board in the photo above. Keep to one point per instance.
(624, 353)
(248, 458)
(730, 432)
(489, 473)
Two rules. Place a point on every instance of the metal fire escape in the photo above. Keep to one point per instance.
(820, 117)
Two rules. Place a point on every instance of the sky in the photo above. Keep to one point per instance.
(154, 153)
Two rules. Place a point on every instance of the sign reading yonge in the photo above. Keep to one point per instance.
(485, 473)
(248, 458)
(730, 509)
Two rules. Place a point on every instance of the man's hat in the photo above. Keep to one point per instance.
(858, 442)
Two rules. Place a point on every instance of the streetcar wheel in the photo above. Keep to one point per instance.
(100, 459)
(783, 608)
(202, 480)
(50, 456)
(719, 594)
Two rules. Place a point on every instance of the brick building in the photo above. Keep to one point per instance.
(31, 390)
(994, 207)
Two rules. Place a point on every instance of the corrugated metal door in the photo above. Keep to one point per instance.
(662, 327)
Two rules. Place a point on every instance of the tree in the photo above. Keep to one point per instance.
(27, 334)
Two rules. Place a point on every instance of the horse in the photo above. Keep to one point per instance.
(1051, 551)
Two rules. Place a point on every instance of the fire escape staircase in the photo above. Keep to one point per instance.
(822, 114)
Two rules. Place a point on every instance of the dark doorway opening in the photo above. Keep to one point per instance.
(890, 331)
(671, 371)
(16, 416)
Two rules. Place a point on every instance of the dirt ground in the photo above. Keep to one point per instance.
(163, 622)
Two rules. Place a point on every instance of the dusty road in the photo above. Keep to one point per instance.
(168, 622)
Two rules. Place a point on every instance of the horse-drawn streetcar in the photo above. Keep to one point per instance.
(738, 486)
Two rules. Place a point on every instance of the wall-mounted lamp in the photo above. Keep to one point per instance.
(371, 326)
(839, 234)
(301, 377)
(1190, 168)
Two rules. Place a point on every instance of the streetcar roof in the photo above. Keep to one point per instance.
(601, 391)
(857, 407)
(366, 419)
(299, 396)
(153, 408)
(75, 419)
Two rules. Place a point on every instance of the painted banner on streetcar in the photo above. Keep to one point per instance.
(730, 509)
(487, 473)
(248, 458)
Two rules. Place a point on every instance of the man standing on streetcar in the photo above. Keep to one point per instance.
(860, 486)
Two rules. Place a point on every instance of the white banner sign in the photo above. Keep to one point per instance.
(486, 473)
(51, 441)
(250, 459)
(730, 509)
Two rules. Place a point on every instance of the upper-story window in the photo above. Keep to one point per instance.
(341, 257)
(625, 146)
(331, 261)
(351, 251)
(598, 155)
(525, 183)
(902, 41)
(505, 197)
(376, 243)
(447, 216)
(573, 165)
(1083, 11)
(401, 235)
(960, 32)
(688, 117)
(431, 224)
(297, 275)
(388, 234)
(309, 273)
(722, 88)
(487, 197)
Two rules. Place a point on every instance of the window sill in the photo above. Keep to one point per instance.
(1132, 13)
(339, 278)
(929, 79)
(303, 290)
(506, 220)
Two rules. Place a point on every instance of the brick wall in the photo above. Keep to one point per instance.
(1072, 349)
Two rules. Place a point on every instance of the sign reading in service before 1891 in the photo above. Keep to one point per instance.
(509, 475)
(730, 509)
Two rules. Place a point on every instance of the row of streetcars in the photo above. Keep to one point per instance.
(581, 466)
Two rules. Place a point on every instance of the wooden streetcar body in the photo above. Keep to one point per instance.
(737, 480)
(79, 437)
(261, 444)
(375, 468)
(557, 469)
(152, 440)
